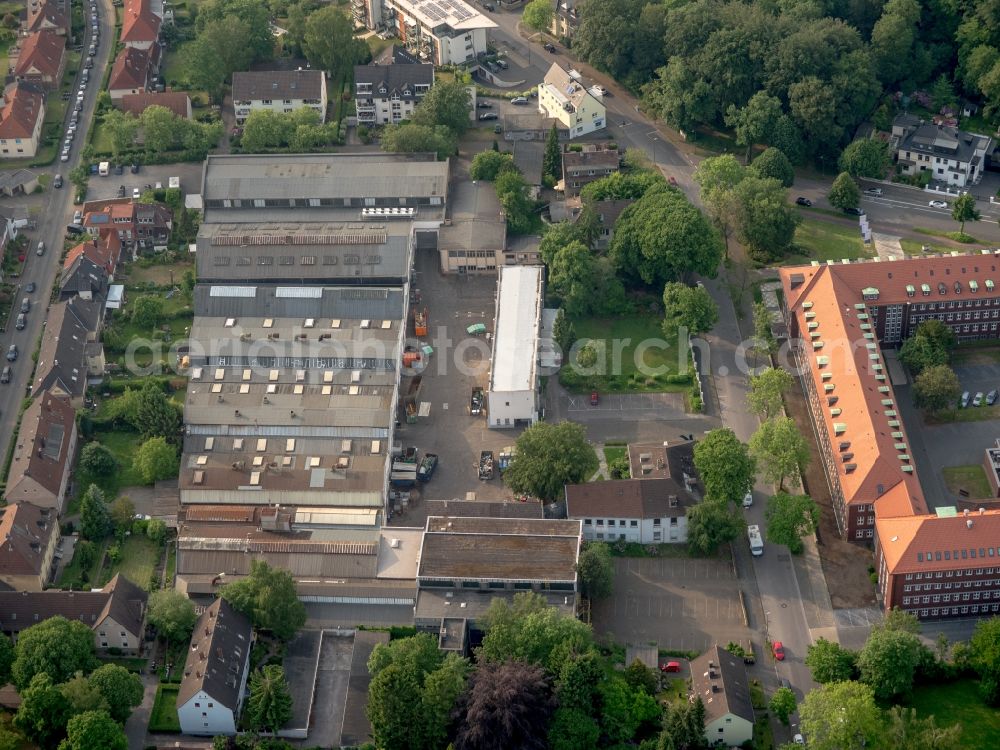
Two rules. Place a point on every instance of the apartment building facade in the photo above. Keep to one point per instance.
(443, 32)
(281, 91)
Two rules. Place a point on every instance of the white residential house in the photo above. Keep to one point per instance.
(443, 32)
(385, 94)
(279, 91)
(513, 397)
(215, 673)
(565, 97)
(720, 679)
(951, 156)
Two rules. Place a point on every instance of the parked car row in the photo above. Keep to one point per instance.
(979, 399)
(95, 34)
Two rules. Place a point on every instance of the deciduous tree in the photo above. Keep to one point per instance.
(840, 716)
(782, 704)
(754, 123)
(269, 706)
(984, 657)
(765, 222)
(888, 662)
(711, 523)
(44, 711)
(518, 207)
(57, 647)
(936, 388)
(724, 465)
(411, 138)
(82, 696)
(6, 658)
(122, 511)
(121, 689)
(329, 43)
(717, 178)
(94, 729)
(441, 691)
(552, 161)
(486, 165)
(865, 157)
(830, 662)
(691, 307)
(147, 311)
(550, 455)
(964, 209)
(448, 103)
(844, 192)
(268, 597)
(172, 614)
(789, 518)
(121, 127)
(97, 460)
(780, 450)
(573, 278)
(155, 414)
(507, 704)
(537, 15)
(907, 731)
(775, 165)
(597, 570)
(155, 459)
(662, 237)
(766, 390)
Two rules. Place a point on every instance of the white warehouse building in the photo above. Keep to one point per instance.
(513, 398)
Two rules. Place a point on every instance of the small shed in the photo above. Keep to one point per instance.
(648, 654)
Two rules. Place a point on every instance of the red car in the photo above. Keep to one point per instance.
(671, 666)
(778, 650)
(594, 398)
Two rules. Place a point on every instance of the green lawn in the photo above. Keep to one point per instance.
(175, 71)
(100, 139)
(122, 443)
(959, 703)
(675, 691)
(969, 414)
(615, 452)
(163, 717)
(966, 239)
(970, 478)
(619, 339)
(72, 573)
(824, 240)
(140, 554)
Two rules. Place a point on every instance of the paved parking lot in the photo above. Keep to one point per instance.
(101, 188)
(956, 444)
(679, 603)
(454, 303)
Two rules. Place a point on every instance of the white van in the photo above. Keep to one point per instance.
(756, 540)
(104, 168)
(41, 249)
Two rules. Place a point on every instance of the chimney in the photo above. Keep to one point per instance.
(969, 523)
(982, 511)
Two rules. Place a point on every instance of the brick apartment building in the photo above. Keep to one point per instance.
(838, 317)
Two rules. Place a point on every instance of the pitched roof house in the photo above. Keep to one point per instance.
(951, 156)
(70, 349)
(116, 613)
(564, 96)
(43, 454)
(278, 91)
(104, 251)
(720, 680)
(28, 538)
(177, 102)
(83, 278)
(131, 72)
(140, 24)
(42, 59)
(21, 120)
(215, 673)
(389, 93)
(131, 221)
(46, 14)
(649, 508)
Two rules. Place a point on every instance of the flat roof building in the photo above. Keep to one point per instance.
(513, 397)
(443, 32)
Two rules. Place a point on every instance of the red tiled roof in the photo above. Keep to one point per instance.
(139, 23)
(104, 251)
(130, 69)
(22, 109)
(969, 540)
(176, 101)
(41, 51)
(47, 15)
(848, 367)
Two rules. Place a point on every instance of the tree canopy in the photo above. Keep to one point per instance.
(95, 516)
(766, 390)
(507, 704)
(830, 662)
(269, 706)
(866, 157)
(789, 518)
(662, 237)
(596, 569)
(447, 103)
(172, 614)
(780, 450)
(724, 465)
(156, 459)
(712, 523)
(57, 647)
(888, 662)
(691, 307)
(93, 729)
(840, 716)
(844, 193)
(268, 597)
(120, 688)
(936, 388)
(549, 456)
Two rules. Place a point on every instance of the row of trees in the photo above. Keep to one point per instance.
(538, 682)
(162, 132)
(67, 699)
(800, 78)
(299, 131)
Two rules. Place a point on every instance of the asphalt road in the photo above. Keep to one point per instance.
(56, 213)
(780, 599)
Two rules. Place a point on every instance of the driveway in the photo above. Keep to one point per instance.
(135, 725)
(332, 679)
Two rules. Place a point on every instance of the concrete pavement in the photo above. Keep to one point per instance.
(57, 212)
(135, 725)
